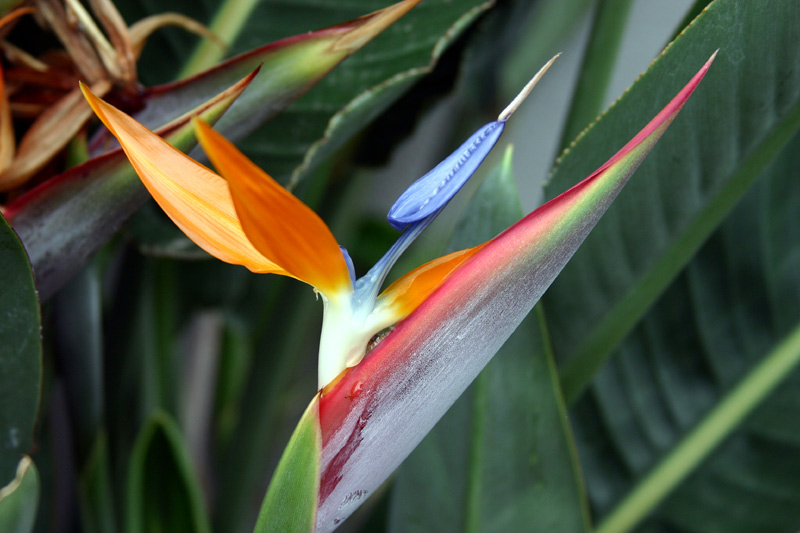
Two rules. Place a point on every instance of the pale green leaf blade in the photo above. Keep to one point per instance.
(19, 499)
(96, 497)
(599, 57)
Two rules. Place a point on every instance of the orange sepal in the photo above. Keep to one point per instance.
(409, 291)
(196, 199)
(279, 225)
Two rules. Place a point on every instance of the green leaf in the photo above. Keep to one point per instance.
(347, 99)
(95, 490)
(289, 67)
(599, 58)
(163, 490)
(503, 453)
(296, 141)
(20, 499)
(747, 109)
(20, 353)
(291, 500)
(697, 420)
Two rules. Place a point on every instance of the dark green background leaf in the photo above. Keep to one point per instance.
(20, 353)
(738, 299)
(745, 110)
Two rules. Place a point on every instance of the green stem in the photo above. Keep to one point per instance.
(709, 433)
(610, 17)
(477, 456)
(227, 24)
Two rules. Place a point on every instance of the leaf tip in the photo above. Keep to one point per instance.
(364, 29)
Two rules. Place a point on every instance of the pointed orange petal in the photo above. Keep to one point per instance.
(195, 198)
(279, 225)
(405, 294)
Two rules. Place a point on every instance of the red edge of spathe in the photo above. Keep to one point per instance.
(342, 27)
(671, 108)
(377, 365)
(244, 56)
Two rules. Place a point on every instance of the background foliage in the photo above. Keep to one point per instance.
(654, 388)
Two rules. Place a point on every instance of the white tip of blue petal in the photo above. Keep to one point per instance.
(430, 193)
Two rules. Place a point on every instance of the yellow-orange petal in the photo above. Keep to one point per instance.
(279, 225)
(196, 199)
(408, 292)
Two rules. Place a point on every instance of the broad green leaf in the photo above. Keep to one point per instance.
(163, 490)
(696, 8)
(741, 119)
(503, 454)
(20, 353)
(291, 500)
(697, 418)
(20, 499)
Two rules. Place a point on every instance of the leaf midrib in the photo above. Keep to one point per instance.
(699, 443)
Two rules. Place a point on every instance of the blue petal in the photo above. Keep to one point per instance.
(349, 261)
(431, 192)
